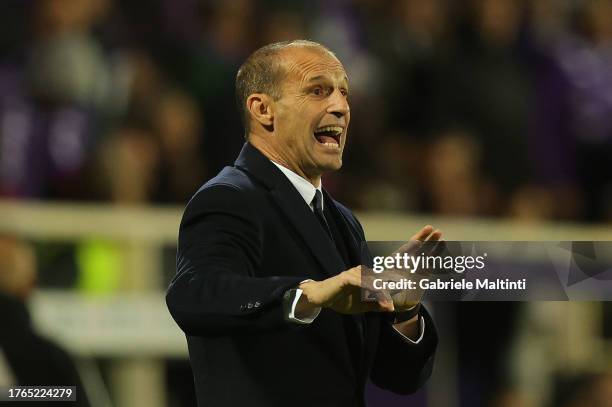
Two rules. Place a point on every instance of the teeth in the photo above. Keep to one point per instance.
(331, 145)
(335, 129)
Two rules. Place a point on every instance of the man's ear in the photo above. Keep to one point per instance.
(261, 109)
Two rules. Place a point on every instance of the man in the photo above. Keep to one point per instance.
(268, 279)
(27, 358)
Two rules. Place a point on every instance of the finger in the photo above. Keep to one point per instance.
(410, 246)
(368, 296)
(432, 240)
(439, 248)
(361, 278)
(378, 307)
(405, 297)
(385, 300)
(352, 280)
(383, 296)
(435, 235)
(423, 233)
(386, 305)
(350, 277)
(430, 245)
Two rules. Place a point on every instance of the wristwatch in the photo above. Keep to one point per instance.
(404, 316)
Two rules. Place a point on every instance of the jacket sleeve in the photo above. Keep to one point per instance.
(216, 290)
(400, 366)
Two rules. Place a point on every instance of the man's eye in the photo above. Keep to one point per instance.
(317, 91)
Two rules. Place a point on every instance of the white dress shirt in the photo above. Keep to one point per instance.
(307, 192)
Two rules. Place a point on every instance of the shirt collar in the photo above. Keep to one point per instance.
(305, 188)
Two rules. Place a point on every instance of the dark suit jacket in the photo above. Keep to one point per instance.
(246, 237)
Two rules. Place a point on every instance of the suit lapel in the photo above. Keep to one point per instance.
(293, 207)
(305, 223)
(352, 245)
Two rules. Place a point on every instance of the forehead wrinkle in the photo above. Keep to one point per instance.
(301, 67)
(344, 78)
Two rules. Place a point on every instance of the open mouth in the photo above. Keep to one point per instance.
(329, 136)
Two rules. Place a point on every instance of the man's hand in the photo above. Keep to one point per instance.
(427, 240)
(342, 293)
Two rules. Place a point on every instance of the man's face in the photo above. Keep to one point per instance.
(312, 116)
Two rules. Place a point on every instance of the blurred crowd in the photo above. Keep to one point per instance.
(470, 107)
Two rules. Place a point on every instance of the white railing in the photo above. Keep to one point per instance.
(133, 326)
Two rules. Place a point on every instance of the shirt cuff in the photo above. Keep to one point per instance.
(305, 319)
(294, 297)
(414, 342)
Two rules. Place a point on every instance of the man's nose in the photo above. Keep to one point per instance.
(339, 106)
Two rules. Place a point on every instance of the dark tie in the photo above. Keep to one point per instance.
(340, 243)
(317, 204)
